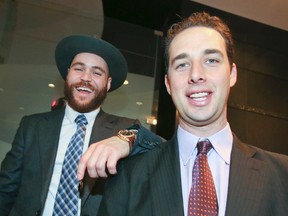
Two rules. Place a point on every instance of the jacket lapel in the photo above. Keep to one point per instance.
(48, 136)
(103, 127)
(245, 182)
(166, 174)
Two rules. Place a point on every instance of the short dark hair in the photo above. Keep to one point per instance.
(200, 19)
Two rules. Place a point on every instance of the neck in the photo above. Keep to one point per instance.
(203, 130)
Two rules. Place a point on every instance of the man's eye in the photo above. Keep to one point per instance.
(78, 69)
(97, 73)
(212, 61)
(182, 66)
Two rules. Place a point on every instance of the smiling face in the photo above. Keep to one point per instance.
(199, 79)
(87, 82)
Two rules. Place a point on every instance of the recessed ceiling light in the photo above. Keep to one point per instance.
(139, 103)
(51, 85)
(126, 82)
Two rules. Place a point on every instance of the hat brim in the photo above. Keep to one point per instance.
(70, 46)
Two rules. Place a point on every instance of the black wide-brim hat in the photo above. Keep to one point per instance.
(72, 45)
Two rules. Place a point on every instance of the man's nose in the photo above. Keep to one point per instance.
(197, 73)
(86, 75)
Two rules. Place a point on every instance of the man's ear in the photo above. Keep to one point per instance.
(109, 81)
(167, 84)
(233, 75)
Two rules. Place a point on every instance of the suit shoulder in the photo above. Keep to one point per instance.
(261, 154)
(46, 114)
(152, 156)
(40, 115)
(33, 119)
(115, 118)
(275, 162)
(112, 116)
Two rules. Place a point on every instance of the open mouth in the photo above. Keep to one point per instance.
(199, 96)
(84, 89)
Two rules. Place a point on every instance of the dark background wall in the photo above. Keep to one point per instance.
(258, 105)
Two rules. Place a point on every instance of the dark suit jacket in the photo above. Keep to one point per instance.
(27, 169)
(150, 184)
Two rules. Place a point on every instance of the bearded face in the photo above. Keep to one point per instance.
(81, 104)
(87, 82)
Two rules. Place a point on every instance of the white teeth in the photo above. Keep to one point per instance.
(84, 89)
(199, 95)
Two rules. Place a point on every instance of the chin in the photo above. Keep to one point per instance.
(84, 104)
(84, 108)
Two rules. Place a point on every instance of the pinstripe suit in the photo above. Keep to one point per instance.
(150, 184)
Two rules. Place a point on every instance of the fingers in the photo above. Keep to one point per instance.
(83, 162)
(96, 165)
(101, 158)
(111, 164)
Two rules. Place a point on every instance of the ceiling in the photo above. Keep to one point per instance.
(270, 12)
(154, 13)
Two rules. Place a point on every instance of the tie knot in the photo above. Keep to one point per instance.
(81, 120)
(204, 146)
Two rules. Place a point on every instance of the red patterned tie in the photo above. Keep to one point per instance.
(202, 198)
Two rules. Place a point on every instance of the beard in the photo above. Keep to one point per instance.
(81, 107)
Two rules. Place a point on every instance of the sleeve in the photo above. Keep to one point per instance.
(146, 140)
(10, 174)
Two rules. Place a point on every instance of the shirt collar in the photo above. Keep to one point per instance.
(221, 141)
(187, 144)
(71, 115)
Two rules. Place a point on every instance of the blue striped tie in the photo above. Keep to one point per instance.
(66, 202)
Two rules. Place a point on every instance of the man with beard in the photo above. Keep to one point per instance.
(38, 175)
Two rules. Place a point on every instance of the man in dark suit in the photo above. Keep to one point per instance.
(31, 171)
(246, 180)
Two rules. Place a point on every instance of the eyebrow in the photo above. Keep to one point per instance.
(94, 67)
(77, 63)
(213, 51)
(206, 52)
(180, 56)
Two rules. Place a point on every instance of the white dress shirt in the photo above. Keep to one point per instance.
(218, 159)
(67, 130)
